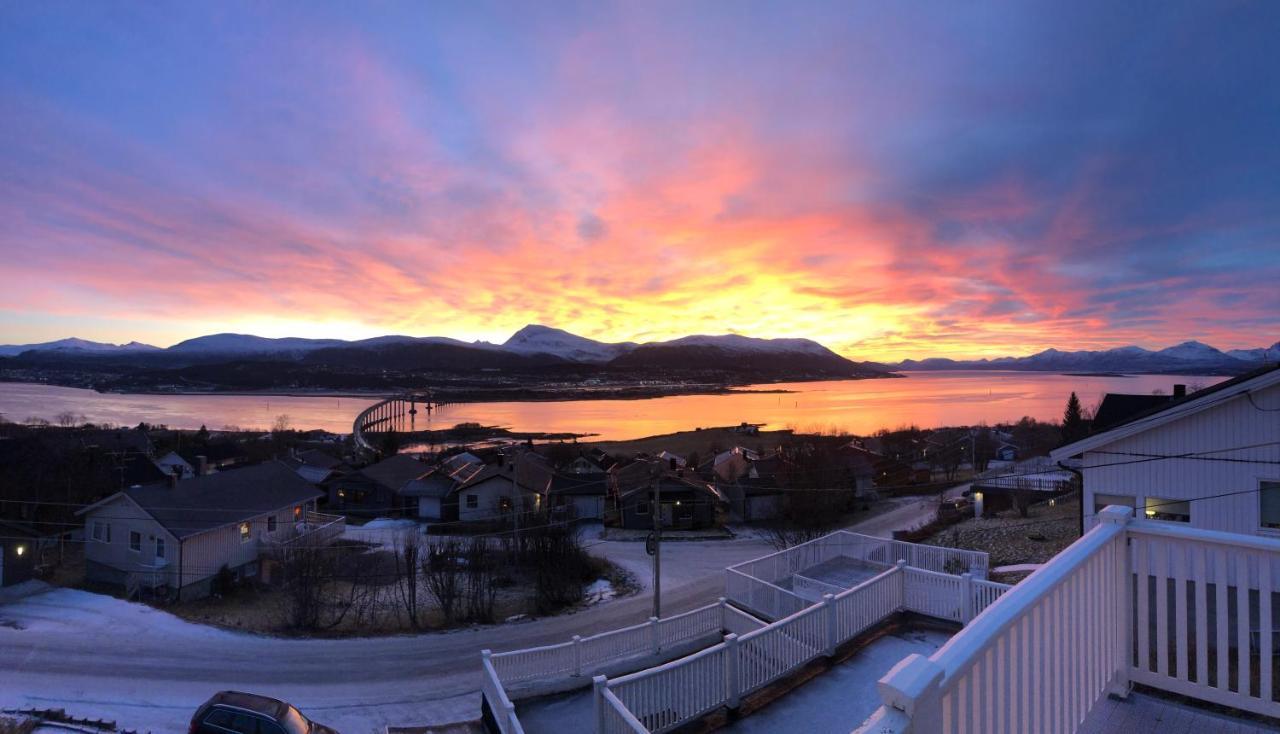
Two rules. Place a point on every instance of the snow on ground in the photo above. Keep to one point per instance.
(383, 532)
(600, 590)
(839, 700)
(1017, 568)
(836, 701)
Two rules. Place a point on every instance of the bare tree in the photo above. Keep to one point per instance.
(408, 573)
(281, 424)
(443, 573)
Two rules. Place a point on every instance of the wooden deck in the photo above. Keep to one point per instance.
(1142, 713)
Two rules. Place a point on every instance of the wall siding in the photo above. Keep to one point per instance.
(1232, 423)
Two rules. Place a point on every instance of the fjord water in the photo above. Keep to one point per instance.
(925, 399)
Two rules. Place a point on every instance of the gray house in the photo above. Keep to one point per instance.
(176, 536)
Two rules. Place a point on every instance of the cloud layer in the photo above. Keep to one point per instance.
(893, 181)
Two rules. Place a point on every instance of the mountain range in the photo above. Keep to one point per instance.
(538, 347)
(1190, 357)
(533, 354)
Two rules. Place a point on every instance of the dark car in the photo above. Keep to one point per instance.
(232, 712)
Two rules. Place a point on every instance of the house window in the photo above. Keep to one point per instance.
(297, 512)
(135, 541)
(504, 504)
(642, 508)
(1168, 510)
(101, 532)
(159, 547)
(244, 532)
(473, 501)
(1269, 496)
(1100, 501)
(271, 524)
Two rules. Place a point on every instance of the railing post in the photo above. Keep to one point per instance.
(914, 687)
(654, 639)
(1120, 684)
(966, 597)
(597, 700)
(732, 695)
(901, 565)
(829, 611)
(724, 614)
(577, 655)
(509, 710)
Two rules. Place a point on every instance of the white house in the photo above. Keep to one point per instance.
(1210, 460)
(493, 490)
(173, 464)
(179, 535)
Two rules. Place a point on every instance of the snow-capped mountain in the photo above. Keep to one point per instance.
(748, 344)
(249, 344)
(77, 345)
(538, 339)
(1188, 357)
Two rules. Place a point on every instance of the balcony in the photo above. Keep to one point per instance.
(314, 529)
(1133, 602)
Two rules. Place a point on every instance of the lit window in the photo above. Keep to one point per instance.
(1269, 496)
(244, 532)
(1167, 510)
(297, 512)
(135, 541)
(504, 504)
(20, 550)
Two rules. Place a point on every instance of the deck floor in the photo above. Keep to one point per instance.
(1141, 713)
(843, 572)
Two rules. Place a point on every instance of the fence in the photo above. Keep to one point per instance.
(1180, 609)
(668, 696)
(495, 698)
(755, 584)
(582, 655)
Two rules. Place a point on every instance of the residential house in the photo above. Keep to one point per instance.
(426, 496)
(1210, 459)
(492, 491)
(315, 466)
(18, 550)
(376, 489)
(734, 463)
(673, 461)
(685, 501)
(1117, 408)
(177, 535)
(582, 495)
(584, 465)
(173, 464)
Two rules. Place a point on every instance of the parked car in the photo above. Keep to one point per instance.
(232, 712)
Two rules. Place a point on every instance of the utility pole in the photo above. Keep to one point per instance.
(657, 543)
(515, 495)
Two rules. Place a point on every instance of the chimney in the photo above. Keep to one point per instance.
(1179, 391)
(173, 481)
(202, 466)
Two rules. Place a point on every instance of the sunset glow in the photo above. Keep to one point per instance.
(891, 180)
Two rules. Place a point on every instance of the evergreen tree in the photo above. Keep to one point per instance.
(1073, 425)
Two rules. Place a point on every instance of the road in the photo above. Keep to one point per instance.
(90, 653)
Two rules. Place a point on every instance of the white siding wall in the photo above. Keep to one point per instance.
(124, 516)
(429, 508)
(1230, 424)
(201, 555)
(489, 495)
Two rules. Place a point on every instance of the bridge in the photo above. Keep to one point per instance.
(396, 414)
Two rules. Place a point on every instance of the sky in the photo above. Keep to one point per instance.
(892, 179)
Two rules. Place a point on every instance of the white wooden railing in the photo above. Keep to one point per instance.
(757, 584)
(668, 696)
(500, 706)
(582, 655)
(1171, 607)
